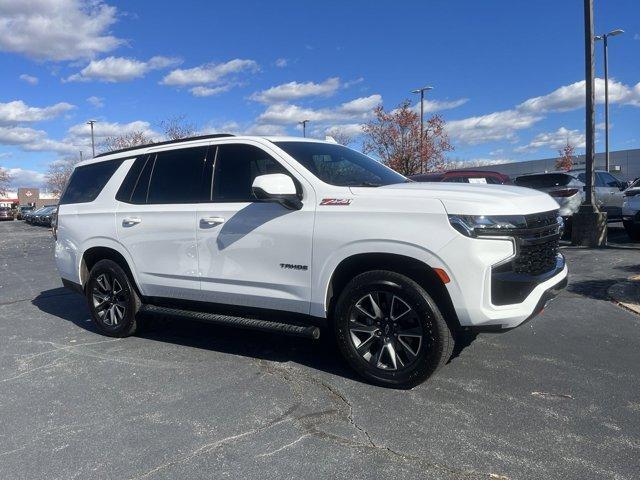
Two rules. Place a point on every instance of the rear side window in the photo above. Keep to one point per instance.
(176, 176)
(130, 181)
(544, 181)
(236, 167)
(87, 182)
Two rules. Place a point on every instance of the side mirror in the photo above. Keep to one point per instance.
(277, 187)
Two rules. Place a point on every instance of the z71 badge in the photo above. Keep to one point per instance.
(342, 202)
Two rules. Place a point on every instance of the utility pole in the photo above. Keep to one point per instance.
(421, 92)
(304, 127)
(93, 145)
(589, 223)
(605, 42)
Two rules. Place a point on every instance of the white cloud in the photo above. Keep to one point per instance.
(209, 73)
(572, 97)
(555, 140)
(281, 62)
(288, 114)
(18, 111)
(201, 91)
(351, 83)
(33, 140)
(493, 126)
(57, 30)
(350, 129)
(97, 102)
(30, 79)
(503, 125)
(21, 177)
(246, 129)
(294, 90)
(103, 130)
(431, 106)
(121, 69)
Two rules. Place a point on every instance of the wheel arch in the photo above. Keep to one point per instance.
(94, 254)
(418, 271)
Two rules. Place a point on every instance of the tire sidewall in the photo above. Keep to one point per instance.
(128, 324)
(430, 357)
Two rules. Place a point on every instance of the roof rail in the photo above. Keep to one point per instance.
(168, 142)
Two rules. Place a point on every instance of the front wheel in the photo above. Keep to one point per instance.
(390, 330)
(113, 301)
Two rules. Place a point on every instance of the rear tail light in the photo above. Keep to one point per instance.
(569, 192)
(54, 223)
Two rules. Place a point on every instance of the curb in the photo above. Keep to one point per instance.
(627, 293)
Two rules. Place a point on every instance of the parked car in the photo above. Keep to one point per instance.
(464, 176)
(43, 217)
(29, 217)
(288, 235)
(6, 213)
(567, 188)
(22, 210)
(631, 210)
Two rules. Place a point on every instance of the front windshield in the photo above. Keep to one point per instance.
(340, 166)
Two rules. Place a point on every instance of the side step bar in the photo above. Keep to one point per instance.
(239, 322)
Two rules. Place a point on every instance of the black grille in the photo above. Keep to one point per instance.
(538, 244)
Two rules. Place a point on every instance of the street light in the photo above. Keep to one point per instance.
(304, 127)
(604, 39)
(421, 92)
(93, 145)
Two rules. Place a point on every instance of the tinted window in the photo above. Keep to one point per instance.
(338, 165)
(129, 182)
(177, 176)
(236, 166)
(87, 181)
(141, 188)
(544, 180)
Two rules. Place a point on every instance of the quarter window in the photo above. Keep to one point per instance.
(176, 176)
(236, 166)
(87, 181)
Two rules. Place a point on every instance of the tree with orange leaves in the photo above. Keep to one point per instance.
(565, 161)
(394, 137)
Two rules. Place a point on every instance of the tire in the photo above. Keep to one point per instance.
(407, 324)
(632, 230)
(112, 299)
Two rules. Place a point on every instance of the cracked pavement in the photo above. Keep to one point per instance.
(557, 398)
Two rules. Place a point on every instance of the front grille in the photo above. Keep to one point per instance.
(538, 244)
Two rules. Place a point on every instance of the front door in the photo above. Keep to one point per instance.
(253, 254)
(156, 222)
(612, 196)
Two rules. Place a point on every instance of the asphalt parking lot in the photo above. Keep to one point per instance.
(557, 398)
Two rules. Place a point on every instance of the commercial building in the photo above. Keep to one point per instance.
(28, 196)
(624, 164)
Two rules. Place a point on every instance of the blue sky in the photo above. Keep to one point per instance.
(507, 74)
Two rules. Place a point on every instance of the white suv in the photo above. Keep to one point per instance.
(290, 234)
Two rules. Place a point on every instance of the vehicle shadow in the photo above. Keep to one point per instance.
(321, 354)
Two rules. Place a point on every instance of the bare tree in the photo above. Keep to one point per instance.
(177, 127)
(5, 179)
(343, 137)
(394, 136)
(58, 174)
(126, 140)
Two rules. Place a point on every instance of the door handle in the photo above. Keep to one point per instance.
(211, 221)
(130, 221)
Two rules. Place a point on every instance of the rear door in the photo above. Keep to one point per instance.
(252, 253)
(156, 220)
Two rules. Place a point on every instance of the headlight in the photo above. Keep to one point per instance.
(474, 225)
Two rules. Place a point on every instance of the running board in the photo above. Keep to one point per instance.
(238, 322)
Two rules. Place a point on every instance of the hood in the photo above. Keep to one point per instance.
(469, 198)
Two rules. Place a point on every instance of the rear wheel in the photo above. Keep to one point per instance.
(113, 301)
(390, 330)
(632, 229)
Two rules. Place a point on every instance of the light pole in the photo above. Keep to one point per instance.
(304, 127)
(421, 92)
(589, 224)
(604, 39)
(93, 145)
